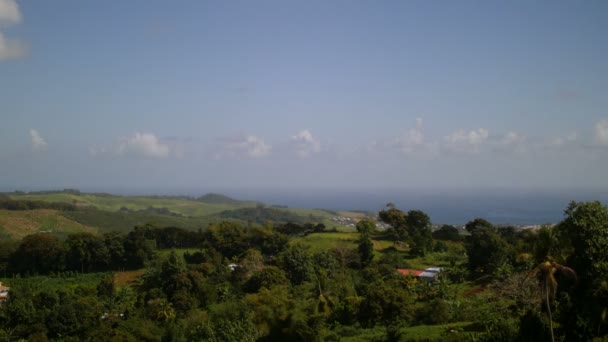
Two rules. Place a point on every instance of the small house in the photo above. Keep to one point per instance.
(3, 292)
(429, 274)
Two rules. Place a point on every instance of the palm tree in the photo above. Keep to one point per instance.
(545, 273)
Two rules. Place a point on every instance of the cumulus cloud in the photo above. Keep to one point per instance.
(305, 144)
(247, 146)
(10, 15)
(412, 140)
(145, 145)
(466, 142)
(511, 142)
(38, 143)
(601, 132)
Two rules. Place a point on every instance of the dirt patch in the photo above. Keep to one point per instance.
(127, 278)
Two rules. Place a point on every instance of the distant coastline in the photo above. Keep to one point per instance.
(449, 206)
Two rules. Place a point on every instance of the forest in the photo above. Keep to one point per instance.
(233, 281)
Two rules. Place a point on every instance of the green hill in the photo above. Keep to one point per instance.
(213, 198)
(15, 224)
(180, 205)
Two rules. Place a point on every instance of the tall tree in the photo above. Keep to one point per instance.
(397, 220)
(419, 228)
(486, 249)
(545, 273)
(584, 231)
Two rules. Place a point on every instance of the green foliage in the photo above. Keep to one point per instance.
(366, 226)
(261, 215)
(385, 302)
(447, 232)
(267, 277)
(486, 249)
(297, 263)
(284, 290)
(38, 254)
(476, 224)
(397, 220)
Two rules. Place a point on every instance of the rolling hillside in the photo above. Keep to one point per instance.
(100, 212)
(210, 204)
(17, 224)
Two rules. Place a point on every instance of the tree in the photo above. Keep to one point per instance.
(86, 252)
(366, 226)
(419, 228)
(545, 273)
(486, 249)
(476, 224)
(366, 250)
(584, 232)
(267, 277)
(38, 254)
(396, 219)
(447, 232)
(297, 263)
(366, 247)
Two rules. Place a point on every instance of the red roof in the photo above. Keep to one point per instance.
(405, 271)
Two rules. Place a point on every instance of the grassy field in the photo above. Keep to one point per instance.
(107, 221)
(325, 241)
(37, 283)
(178, 251)
(114, 203)
(18, 224)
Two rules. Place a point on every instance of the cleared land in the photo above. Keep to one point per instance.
(18, 224)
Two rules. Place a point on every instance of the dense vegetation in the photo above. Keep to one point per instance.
(252, 282)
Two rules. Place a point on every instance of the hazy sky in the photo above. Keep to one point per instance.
(303, 94)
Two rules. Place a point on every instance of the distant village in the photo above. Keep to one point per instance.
(352, 222)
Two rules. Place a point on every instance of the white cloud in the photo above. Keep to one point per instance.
(412, 140)
(38, 143)
(247, 146)
(9, 13)
(601, 132)
(305, 144)
(466, 142)
(145, 145)
(512, 142)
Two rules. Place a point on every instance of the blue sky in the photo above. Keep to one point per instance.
(303, 94)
